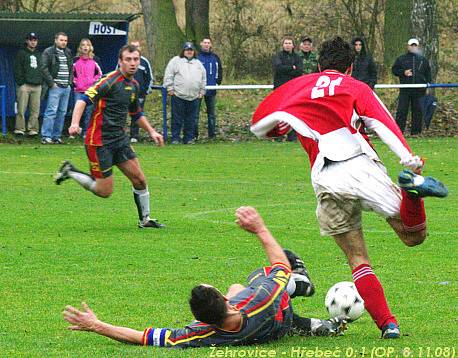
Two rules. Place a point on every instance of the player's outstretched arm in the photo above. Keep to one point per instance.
(250, 220)
(157, 137)
(78, 111)
(86, 320)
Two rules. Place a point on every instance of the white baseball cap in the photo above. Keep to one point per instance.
(413, 41)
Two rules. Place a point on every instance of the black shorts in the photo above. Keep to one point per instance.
(102, 158)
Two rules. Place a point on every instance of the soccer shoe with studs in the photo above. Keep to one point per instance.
(391, 331)
(304, 285)
(418, 186)
(150, 223)
(62, 174)
(325, 328)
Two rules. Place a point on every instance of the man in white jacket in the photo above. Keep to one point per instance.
(185, 79)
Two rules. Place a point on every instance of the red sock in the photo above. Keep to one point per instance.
(413, 215)
(371, 291)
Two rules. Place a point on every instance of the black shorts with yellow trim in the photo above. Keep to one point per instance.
(102, 158)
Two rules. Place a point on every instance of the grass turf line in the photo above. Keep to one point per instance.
(60, 245)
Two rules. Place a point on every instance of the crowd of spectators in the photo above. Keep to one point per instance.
(55, 73)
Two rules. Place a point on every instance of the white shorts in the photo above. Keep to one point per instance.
(345, 188)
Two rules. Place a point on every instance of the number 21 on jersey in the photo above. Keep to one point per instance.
(323, 83)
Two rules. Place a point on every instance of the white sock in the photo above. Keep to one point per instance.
(141, 198)
(315, 323)
(85, 180)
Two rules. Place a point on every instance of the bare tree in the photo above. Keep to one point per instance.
(197, 19)
(397, 29)
(424, 26)
(163, 35)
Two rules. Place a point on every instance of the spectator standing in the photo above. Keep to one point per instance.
(287, 65)
(411, 68)
(185, 79)
(86, 72)
(214, 69)
(57, 69)
(144, 77)
(364, 68)
(309, 58)
(28, 78)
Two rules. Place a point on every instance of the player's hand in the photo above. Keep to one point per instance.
(157, 137)
(74, 129)
(170, 92)
(414, 162)
(80, 320)
(249, 219)
(408, 73)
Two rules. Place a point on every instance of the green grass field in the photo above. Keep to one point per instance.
(60, 245)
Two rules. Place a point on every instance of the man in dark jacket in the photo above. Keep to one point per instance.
(28, 77)
(214, 69)
(411, 68)
(364, 68)
(57, 69)
(144, 77)
(287, 65)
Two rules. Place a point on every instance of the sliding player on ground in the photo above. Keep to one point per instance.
(258, 313)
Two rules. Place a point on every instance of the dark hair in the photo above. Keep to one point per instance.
(208, 305)
(288, 37)
(128, 48)
(336, 54)
(306, 39)
(60, 34)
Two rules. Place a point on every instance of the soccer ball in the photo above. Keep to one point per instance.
(343, 299)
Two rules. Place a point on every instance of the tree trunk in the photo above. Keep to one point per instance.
(424, 25)
(197, 20)
(163, 35)
(397, 30)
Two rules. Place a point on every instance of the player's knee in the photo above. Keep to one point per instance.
(139, 182)
(414, 239)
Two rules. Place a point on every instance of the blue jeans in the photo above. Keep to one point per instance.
(86, 114)
(184, 115)
(54, 116)
(210, 103)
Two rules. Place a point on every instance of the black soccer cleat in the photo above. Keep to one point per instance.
(62, 174)
(324, 328)
(304, 286)
(150, 223)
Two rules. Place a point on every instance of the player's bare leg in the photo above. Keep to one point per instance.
(369, 287)
(102, 187)
(131, 169)
(408, 238)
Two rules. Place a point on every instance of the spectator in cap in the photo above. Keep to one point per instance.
(364, 68)
(411, 68)
(185, 79)
(309, 58)
(28, 78)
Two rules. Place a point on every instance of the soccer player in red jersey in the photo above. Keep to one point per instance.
(330, 112)
(115, 96)
(258, 313)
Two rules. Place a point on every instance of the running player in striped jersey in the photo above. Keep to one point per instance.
(255, 314)
(330, 111)
(114, 96)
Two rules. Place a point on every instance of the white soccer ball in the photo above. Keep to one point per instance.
(343, 299)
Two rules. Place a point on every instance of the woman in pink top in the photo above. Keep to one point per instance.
(86, 71)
